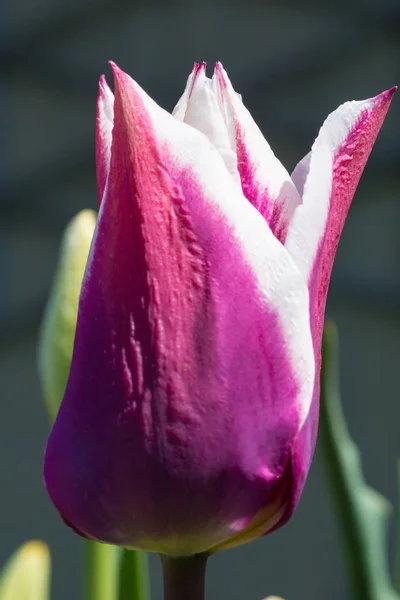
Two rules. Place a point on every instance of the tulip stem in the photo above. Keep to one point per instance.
(184, 577)
(101, 571)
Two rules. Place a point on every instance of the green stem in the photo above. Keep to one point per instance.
(361, 511)
(184, 578)
(397, 556)
(335, 444)
(133, 576)
(100, 573)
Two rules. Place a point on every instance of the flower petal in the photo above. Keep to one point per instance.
(104, 125)
(202, 112)
(337, 160)
(265, 182)
(300, 173)
(180, 108)
(193, 365)
(329, 176)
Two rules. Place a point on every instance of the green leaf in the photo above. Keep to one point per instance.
(55, 354)
(397, 555)
(133, 576)
(362, 512)
(26, 575)
(59, 321)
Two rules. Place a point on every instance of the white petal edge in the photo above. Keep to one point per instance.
(204, 114)
(105, 121)
(180, 108)
(300, 173)
(268, 172)
(307, 226)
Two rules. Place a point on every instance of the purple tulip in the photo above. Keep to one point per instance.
(190, 416)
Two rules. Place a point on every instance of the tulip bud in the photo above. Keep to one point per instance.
(190, 416)
(26, 575)
(59, 321)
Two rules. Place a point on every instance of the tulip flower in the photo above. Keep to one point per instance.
(190, 415)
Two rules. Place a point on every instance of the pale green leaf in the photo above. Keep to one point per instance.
(26, 575)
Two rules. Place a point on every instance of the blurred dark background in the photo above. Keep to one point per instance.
(293, 63)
